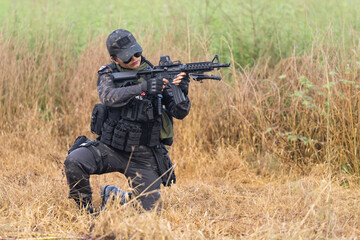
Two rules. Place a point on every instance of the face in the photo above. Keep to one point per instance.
(133, 64)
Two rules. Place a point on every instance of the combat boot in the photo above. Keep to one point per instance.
(113, 192)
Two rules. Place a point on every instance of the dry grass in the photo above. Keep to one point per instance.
(253, 159)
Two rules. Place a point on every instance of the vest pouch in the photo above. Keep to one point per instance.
(107, 131)
(98, 117)
(145, 111)
(129, 111)
(155, 134)
(120, 136)
(138, 110)
(133, 137)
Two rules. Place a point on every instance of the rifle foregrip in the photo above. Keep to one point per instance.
(179, 96)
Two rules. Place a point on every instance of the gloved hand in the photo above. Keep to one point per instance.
(152, 86)
(182, 80)
(184, 85)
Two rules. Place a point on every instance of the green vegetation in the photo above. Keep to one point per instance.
(253, 28)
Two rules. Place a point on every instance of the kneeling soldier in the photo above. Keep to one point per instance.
(132, 131)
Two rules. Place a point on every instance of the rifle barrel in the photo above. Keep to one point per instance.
(222, 65)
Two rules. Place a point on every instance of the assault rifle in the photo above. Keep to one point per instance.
(168, 69)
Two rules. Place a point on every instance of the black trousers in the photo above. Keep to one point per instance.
(140, 167)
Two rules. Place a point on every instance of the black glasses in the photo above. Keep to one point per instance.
(138, 54)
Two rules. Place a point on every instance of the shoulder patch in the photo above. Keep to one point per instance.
(102, 67)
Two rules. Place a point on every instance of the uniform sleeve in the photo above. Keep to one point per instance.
(110, 95)
(178, 111)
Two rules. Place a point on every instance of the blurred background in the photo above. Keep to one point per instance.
(275, 143)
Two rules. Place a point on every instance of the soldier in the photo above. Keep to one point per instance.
(132, 132)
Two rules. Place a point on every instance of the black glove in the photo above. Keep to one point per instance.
(152, 86)
(184, 85)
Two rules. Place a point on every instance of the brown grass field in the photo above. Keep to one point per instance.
(271, 152)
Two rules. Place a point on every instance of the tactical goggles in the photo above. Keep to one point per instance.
(138, 54)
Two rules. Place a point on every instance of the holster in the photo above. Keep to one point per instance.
(79, 142)
(99, 155)
(166, 168)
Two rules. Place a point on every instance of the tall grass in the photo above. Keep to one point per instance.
(298, 111)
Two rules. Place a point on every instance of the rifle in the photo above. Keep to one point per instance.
(169, 70)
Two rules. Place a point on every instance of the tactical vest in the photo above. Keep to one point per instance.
(137, 123)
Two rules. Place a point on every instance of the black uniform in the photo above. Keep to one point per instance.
(130, 140)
